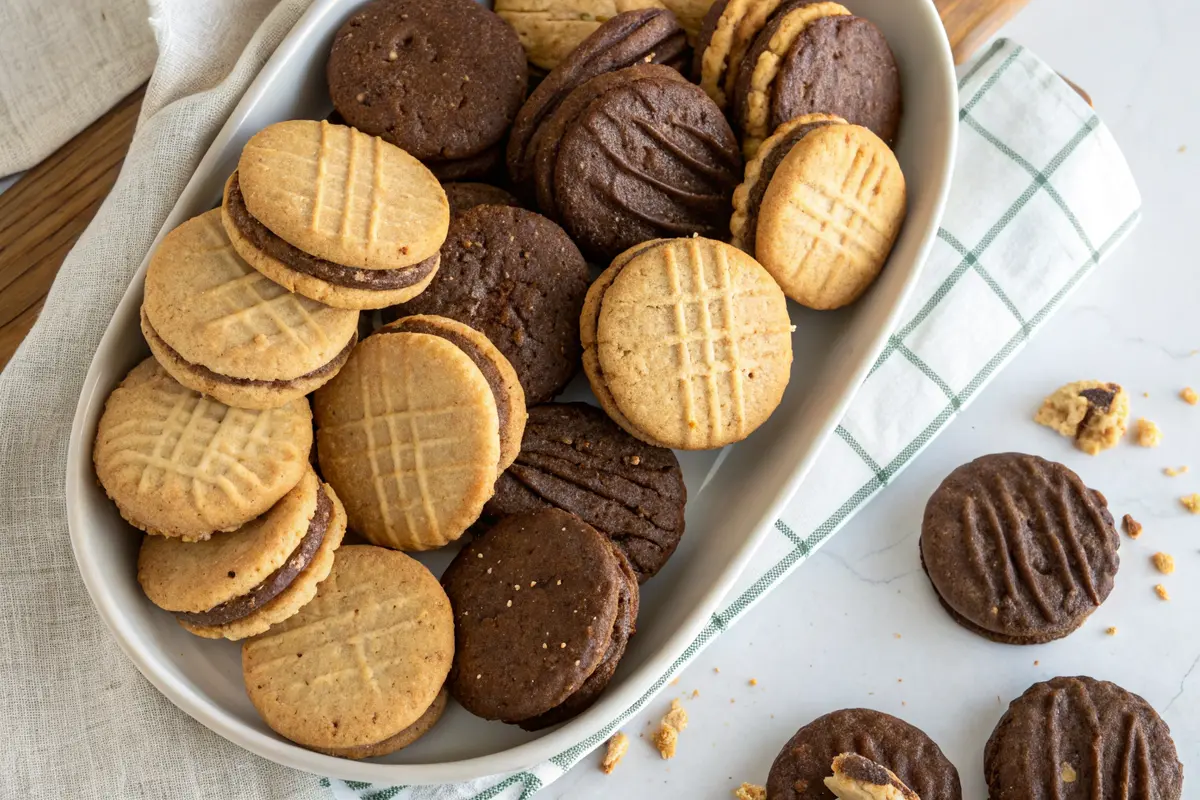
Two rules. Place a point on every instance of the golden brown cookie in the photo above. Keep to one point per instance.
(401, 740)
(1093, 413)
(409, 436)
(831, 211)
(359, 664)
(690, 14)
(550, 29)
(179, 464)
(693, 343)
(719, 54)
(223, 329)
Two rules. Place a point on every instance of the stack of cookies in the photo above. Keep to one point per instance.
(469, 215)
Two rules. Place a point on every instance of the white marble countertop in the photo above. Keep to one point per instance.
(859, 625)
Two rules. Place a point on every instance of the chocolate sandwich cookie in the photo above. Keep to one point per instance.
(409, 433)
(1018, 549)
(1081, 738)
(840, 65)
(441, 79)
(517, 278)
(650, 36)
(359, 671)
(223, 329)
(485, 166)
(543, 604)
(575, 458)
(240, 583)
(465, 196)
(799, 771)
(335, 215)
(646, 159)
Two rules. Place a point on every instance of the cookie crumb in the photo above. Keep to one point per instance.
(695, 693)
(675, 682)
(1189, 396)
(1182, 148)
(677, 717)
(1191, 502)
(1037, 663)
(1148, 434)
(1161, 591)
(754, 681)
(1093, 413)
(750, 791)
(716, 669)
(898, 636)
(618, 745)
(1112, 630)
(1068, 773)
(1164, 563)
(1132, 527)
(665, 740)
(1175, 472)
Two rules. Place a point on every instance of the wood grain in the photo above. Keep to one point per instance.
(44, 212)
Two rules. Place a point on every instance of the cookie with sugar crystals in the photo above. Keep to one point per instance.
(239, 583)
(693, 343)
(177, 463)
(336, 215)
(361, 664)
(224, 329)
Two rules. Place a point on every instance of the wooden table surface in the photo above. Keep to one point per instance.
(44, 212)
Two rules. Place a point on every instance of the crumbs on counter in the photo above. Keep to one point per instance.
(618, 745)
(665, 740)
(1111, 630)
(677, 717)
(1191, 502)
(1148, 433)
(750, 791)
(1161, 591)
(1132, 527)
(754, 681)
(674, 682)
(1175, 472)
(695, 693)
(1093, 413)
(1164, 563)
(1189, 396)
(898, 636)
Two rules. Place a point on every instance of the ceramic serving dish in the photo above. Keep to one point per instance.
(734, 495)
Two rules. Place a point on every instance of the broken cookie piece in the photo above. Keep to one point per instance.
(1093, 413)
(618, 745)
(750, 791)
(1148, 433)
(856, 777)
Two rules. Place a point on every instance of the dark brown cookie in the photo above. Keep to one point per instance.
(516, 277)
(840, 65)
(1018, 549)
(442, 79)
(1082, 739)
(465, 196)
(648, 159)
(644, 36)
(799, 771)
(546, 141)
(485, 166)
(575, 458)
(536, 602)
(707, 29)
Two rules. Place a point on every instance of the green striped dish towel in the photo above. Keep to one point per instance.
(1041, 195)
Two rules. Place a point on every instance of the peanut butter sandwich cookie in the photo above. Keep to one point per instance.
(728, 31)
(1018, 549)
(240, 583)
(359, 671)
(177, 463)
(543, 608)
(414, 430)
(224, 329)
(820, 208)
(551, 29)
(336, 215)
(692, 344)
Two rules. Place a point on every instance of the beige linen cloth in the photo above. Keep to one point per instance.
(77, 719)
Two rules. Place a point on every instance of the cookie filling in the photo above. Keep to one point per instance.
(771, 162)
(370, 279)
(488, 367)
(328, 368)
(273, 585)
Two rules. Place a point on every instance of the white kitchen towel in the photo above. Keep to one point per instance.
(1042, 193)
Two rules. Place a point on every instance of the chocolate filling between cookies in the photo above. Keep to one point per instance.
(293, 257)
(333, 365)
(771, 162)
(274, 584)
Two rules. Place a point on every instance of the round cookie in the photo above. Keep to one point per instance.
(401, 740)
(499, 374)
(550, 29)
(839, 177)
(1080, 732)
(465, 196)
(648, 158)
(575, 458)
(518, 652)
(517, 278)
(223, 329)
(799, 770)
(360, 663)
(840, 65)
(729, 30)
(408, 436)
(441, 79)
(179, 464)
(1018, 549)
(688, 373)
(647, 36)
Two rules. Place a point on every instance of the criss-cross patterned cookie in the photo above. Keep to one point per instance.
(224, 329)
(357, 671)
(692, 343)
(179, 464)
